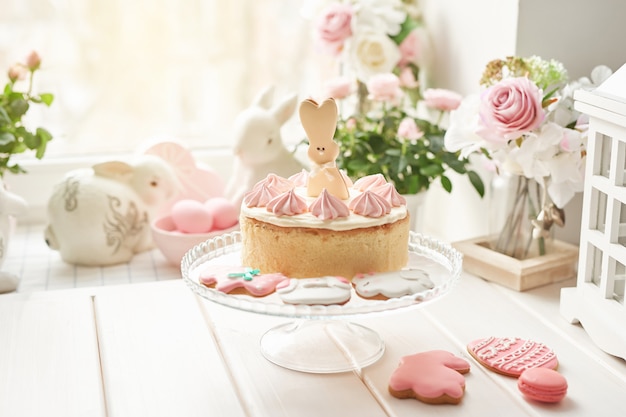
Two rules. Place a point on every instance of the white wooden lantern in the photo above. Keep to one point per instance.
(597, 301)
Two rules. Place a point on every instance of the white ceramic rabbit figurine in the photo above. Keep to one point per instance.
(101, 216)
(10, 205)
(259, 148)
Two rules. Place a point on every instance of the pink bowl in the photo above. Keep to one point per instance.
(174, 244)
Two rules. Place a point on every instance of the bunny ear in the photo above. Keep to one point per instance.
(265, 98)
(319, 121)
(285, 109)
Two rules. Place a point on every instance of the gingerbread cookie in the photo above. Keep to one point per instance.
(511, 356)
(315, 291)
(394, 284)
(433, 377)
(240, 280)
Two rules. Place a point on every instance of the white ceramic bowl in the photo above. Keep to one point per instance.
(174, 244)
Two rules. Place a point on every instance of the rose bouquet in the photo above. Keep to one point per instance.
(524, 123)
(388, 123)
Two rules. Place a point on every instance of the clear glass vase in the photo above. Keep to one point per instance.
(524, 216)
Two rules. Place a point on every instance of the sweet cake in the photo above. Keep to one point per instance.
(285, 230)
(318, 223)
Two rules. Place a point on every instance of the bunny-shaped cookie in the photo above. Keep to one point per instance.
(319, 123)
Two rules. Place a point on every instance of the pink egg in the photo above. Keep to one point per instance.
(224, 212)
(191, 216)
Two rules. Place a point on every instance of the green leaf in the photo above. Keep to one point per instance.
(431, 170)
(407, 27)
(6, 138)
(477, 182)
(446, 183)
(17, 108)
(4, 117)
(46, 98)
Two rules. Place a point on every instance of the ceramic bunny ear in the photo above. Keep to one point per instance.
(113, 169)
(319, 121)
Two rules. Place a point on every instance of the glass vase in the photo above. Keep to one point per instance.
(518, 208)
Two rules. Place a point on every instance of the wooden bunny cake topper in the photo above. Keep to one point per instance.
(319, 123)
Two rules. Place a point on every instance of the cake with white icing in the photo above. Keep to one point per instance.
(286, 230)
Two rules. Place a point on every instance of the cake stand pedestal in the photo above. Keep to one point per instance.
(320, 339)
(322, 346)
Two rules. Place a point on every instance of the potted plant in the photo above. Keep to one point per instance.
(524, 124)
(16, 137)
(389, 122)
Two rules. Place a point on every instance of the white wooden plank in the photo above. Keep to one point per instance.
(49, 364)
(479, 309)
(158, 355)
(270, 390)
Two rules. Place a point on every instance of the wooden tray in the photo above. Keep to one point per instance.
(558, 265)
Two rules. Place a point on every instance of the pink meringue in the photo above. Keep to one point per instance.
(287, 204)
(300, 179)
(370, 204)
(277, 182)
(327, 207)
(389, 193)
(369, 181)
(260, 195)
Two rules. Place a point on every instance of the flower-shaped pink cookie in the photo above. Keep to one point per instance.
(433, 377)
(240, 280)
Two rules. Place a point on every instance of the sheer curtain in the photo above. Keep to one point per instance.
(125, 71)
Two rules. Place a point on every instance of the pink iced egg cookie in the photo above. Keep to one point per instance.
(511, 356)
(224, 212)
(191, 216)
(542, 384)
(433, 377)
(315, 291)
(240, 280)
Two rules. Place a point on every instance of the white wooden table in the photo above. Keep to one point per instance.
(156, 349)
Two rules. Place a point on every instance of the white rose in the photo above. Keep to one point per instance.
(372, 53)
(379, 15)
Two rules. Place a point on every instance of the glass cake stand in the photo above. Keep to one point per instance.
(321, 339)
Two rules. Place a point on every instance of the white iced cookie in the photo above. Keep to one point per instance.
(392, 284)
(315, 291)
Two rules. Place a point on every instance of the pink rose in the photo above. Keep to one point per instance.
(384, 87)
(410, 49)
(333, 27)
(441, 99)
(509, 109)
(339, 88)
(408, 129)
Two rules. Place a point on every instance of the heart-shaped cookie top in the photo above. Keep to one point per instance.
(319, 120)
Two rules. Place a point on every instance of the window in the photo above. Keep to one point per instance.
(124, 71)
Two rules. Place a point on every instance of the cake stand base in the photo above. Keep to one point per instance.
(322, 346)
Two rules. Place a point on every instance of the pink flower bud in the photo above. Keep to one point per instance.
(407, 78)
(33, 61)
(17, 72)
(351, 124)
